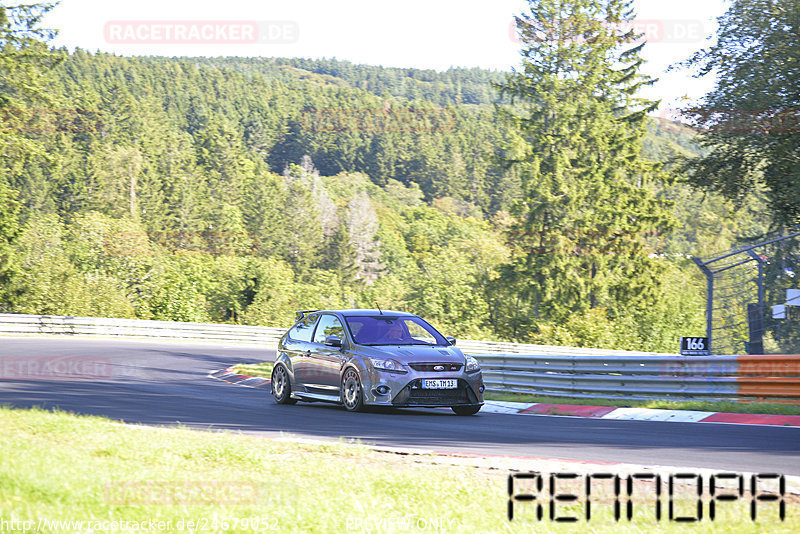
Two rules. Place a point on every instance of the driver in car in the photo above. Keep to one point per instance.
(395, 333)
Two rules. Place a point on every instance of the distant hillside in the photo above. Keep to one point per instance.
(451, 87)
(236, 189)
(665, 138)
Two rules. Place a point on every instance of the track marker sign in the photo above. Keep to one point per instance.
(694, 346)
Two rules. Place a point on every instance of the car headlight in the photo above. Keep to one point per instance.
(472, 365)
(388, 365)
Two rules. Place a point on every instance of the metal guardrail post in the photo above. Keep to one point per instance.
(709, 299)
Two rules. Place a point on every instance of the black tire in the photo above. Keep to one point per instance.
(281, 385)
(466, 410)
(352, 392)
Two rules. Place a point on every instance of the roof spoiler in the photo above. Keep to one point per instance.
(300, 314)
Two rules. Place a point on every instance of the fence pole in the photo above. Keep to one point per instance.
(709, 298)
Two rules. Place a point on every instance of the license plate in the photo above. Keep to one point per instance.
(440, 383)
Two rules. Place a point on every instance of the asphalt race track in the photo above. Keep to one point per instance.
(165, 384)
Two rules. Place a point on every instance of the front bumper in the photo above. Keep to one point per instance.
(406, 389)
(415, 395)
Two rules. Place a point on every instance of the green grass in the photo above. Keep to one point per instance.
(62, 467)
(705, 406)
(258, 369)
(264, 370)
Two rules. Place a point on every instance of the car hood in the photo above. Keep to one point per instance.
(414, 353)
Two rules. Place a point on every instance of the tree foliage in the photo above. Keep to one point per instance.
(750, 121)
(240, 189)
(24, 56)
(588, 217)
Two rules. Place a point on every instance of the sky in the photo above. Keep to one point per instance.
(433, 34)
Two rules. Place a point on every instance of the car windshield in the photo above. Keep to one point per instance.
(388, 330)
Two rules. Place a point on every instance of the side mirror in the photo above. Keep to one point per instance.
(333, 341)
(451, 340)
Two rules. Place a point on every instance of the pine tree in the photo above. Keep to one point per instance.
(362, 223)
(24, 101)
(340, 257)
(24, 56)
(582, 227)
(300, 244)
(328, 214)
(23, 53)
(115, 172)
(9, 228)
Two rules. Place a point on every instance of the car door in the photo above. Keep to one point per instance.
(299, 348)
(325, 362)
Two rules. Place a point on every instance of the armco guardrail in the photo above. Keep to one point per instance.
(511, 367)
(497, 347)
(610, 376)
(135, 328)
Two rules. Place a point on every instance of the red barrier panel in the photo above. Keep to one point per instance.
(769, 365)
(768, 376)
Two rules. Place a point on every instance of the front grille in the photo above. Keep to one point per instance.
(414, 395)
(434, 367)
(437, 397)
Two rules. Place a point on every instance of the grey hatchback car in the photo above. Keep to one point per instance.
(361, 358)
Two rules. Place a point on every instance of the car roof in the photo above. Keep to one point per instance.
(368, 312)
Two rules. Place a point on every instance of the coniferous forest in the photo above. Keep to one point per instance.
(541, 206)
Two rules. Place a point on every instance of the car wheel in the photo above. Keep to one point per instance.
(466, 410)
(352, 392)
(281, 386)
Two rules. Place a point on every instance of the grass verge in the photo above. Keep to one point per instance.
(264, 370)
(58, 467)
